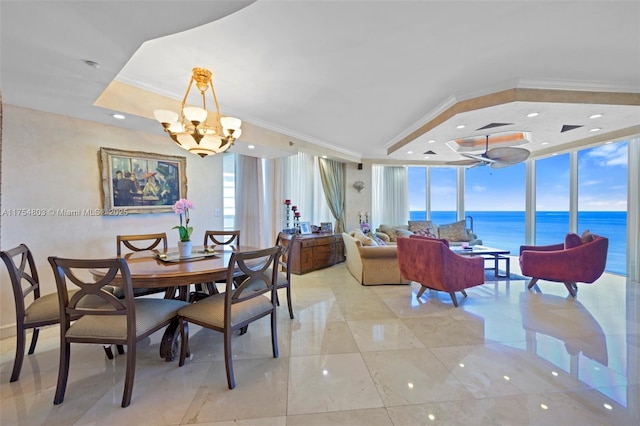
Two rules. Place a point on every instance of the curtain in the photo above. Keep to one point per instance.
(332, 174)
(250, 214)
(390, 196)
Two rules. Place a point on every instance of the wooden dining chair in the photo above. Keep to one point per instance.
(220, 238)
(242, 303)
(33, 310)
(141, 242)
(284, 266)
(119, 321)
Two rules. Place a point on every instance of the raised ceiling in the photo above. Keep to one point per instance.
(361, 80)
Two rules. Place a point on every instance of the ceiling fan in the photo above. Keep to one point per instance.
(496, 158)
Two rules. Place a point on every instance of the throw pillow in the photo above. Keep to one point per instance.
(586, 236)
(364, 240)
(572, 240)
(456, 231)
(403, 233)
(424, 228)
(384, 237)
(378, 240)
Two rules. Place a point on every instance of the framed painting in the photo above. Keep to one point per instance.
(141, 182)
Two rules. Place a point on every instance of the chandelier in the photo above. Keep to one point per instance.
(190, 128)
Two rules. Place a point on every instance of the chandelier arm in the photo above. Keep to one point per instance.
(184, 100)
(219, 130)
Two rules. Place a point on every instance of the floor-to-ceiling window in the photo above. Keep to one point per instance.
(443, 194)
(495, 198)
(417, 182)
(602, 198)
(552, 199)
(229, 190)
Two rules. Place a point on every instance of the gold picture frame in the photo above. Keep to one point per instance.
(141, 182)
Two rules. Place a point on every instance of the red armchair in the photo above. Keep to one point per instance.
(430, 262)
(579, 259)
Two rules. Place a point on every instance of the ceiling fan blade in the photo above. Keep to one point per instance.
(478, 157)
(500, 165)
(509, 155)
(462, 162)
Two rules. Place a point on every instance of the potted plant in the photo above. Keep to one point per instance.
(181, 207)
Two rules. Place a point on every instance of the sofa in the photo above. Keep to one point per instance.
(371, 264)
(456, 233)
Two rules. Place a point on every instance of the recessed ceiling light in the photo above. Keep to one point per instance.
(118, 116)
(545, 143)
(431, 141)
(426, 157)
(251, 146)
(460, 126)
(324, 156)
(595, 129)
(595, 116)
(554, 154)
(409, 152)
(608, 142)
(532, 114)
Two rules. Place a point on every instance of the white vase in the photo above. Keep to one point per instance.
(185, 248)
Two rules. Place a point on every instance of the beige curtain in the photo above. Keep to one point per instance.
(332, 175)
(250, 215)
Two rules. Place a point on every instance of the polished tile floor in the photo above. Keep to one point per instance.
(359, 355)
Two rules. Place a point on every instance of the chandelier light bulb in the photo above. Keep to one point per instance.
(194, 114)
(165, 116)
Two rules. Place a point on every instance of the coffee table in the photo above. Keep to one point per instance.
(489, 253)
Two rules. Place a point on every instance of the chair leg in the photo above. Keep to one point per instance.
(130, 374)
(120, 349)
(108, 352)
(464, 293)
(453, 298)
(63, 372)
(289, 301)
(184, 338)
(21, 337)
(274, 334)
(532, 282)
(228, 359)
(34, 340)
(421, 291)
(572, 287)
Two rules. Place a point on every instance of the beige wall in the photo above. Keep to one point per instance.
(52, 162)
(357, 201)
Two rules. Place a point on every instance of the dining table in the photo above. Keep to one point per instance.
(160, 269)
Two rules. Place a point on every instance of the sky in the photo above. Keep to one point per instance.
(602, 184)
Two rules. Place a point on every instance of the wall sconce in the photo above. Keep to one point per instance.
(359, 185)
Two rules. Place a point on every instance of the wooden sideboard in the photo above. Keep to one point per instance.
(316, 251)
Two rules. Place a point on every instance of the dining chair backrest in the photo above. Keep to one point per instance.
(287, 251)
(222, 237)
(141, 242)
(284, 274)
(21, 273)
(70, 271)
(134, 242)
(258, 272)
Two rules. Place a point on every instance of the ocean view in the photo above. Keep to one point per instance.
(505, 229)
